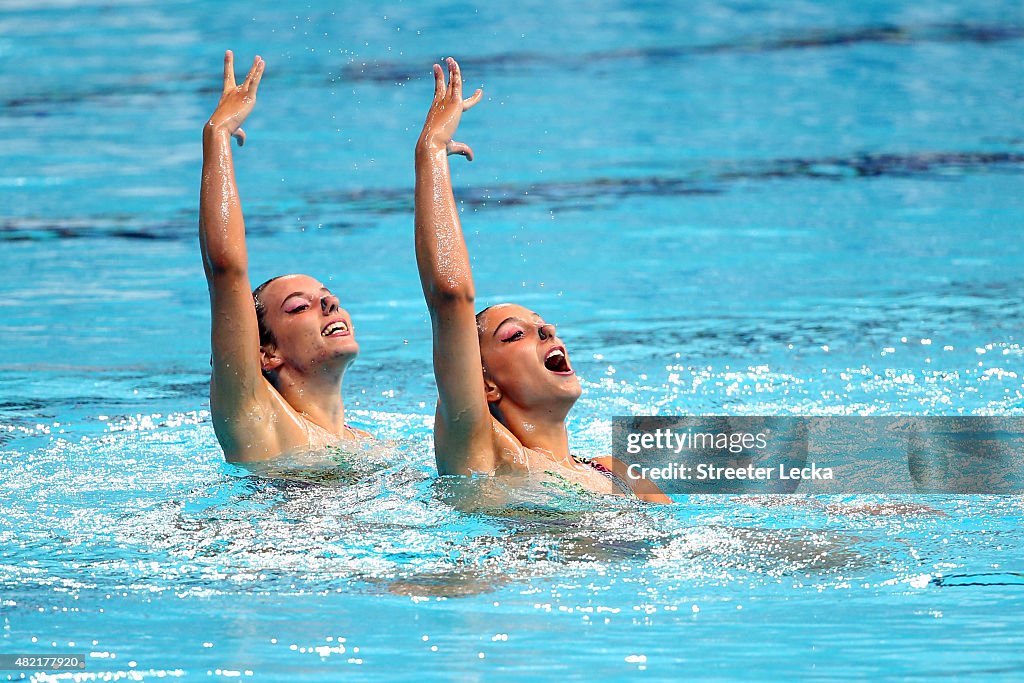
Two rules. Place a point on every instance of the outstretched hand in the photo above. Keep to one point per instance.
(446, 110)
(236, 101)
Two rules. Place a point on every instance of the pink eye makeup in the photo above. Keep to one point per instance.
(511, 335)
(294, 305)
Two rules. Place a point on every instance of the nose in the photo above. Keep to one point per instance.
(546, 331)
(329, 303)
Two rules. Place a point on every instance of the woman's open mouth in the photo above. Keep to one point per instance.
(557, 362)
(338, 328)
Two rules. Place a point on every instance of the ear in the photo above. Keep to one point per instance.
(269, 360)
(491, 391)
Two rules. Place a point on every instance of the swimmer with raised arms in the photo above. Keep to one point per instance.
(504, 378)
(280, 352)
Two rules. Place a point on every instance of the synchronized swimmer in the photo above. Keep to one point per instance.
(504, 379)
(279, 352)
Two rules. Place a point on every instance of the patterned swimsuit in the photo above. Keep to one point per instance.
(614, 478)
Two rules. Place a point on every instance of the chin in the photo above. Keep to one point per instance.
(570, 389)
(350, 347)
(343, 354)
(571, 384)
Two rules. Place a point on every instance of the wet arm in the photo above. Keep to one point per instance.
(222, 240)
(463, 429)
(237, 380)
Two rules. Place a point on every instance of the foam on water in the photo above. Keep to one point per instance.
(148, 506)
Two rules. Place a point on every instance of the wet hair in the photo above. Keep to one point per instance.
(495, 413)
(266, 336)
(480, 320)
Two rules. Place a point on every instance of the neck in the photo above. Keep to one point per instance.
(317, 397)
(539, 430)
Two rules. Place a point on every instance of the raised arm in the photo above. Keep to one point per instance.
(462, 433)
(238, 383)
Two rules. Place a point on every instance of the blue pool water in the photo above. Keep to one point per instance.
(728, 207)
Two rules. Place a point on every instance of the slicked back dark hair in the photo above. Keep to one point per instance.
(266, 336)
(480, 319)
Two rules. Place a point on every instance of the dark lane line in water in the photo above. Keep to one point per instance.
(588, 194)
(980, 579)
(41, 104)
(583, 193)
(963, 307)
(890, 34)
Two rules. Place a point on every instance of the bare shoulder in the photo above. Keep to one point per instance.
(510, 455)
(492, 450)
(259, 429)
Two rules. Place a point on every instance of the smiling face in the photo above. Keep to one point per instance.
(525, 361)
(305, 325)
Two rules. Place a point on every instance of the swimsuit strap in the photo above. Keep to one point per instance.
(615, 479)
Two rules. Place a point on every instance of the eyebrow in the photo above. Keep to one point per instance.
(509, 319)
(302, 294)
(513, 318)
